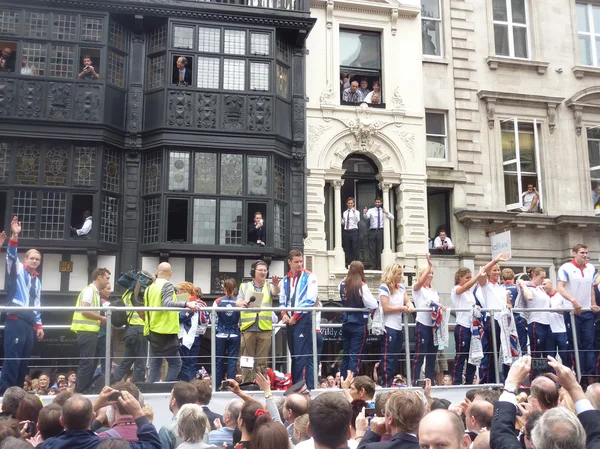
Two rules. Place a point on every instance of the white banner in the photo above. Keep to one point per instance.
(501, 244)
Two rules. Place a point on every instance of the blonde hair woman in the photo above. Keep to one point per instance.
(540, 335)
(394, 302)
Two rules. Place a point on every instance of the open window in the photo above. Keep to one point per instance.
(82, 207)
(182, 70)
(89, 64)
(8, 56)
(360, 67)
(438, 214)
(177, 220)
(258, 225)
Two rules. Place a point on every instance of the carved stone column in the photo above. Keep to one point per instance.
(337, 219)
(387, 256)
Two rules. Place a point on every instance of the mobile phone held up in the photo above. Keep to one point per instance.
(225, 385)
(420, 383)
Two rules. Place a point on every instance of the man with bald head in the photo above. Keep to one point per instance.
(442, 428)
(478, 416)
(544, 394)
(162, 328)
(294, 406)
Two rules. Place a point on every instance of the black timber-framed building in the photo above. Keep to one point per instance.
(172, 171)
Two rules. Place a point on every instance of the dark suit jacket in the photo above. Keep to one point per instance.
(187, 78)
(212, 416)
(591, 424)
(256, 234)
(399, 441)
(503, 434)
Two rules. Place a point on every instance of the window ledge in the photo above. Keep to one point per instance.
(584, 70)
(434, 60)
(499, 61)
(440, 163)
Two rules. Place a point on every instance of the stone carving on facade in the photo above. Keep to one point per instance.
(30, 99)
(578, 117)
(394, 21)
(490, 107)
(299, 118)
(397, 101)
(7, 96)
(179, 112)
(551, 117)
(233, 112)
(328, 95)
(408, 138)
(314, 132)
(134, 109)
(329, 14)
(364, 127)
(59, 101)
(207, 111)
(260, 117)
(87, 103)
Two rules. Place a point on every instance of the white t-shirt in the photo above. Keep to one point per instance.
(540, 300)
(557, 320)
(527, 200)
(463, 301)
(578, 281)
(423, 299)
(393, 320)
(493, 296)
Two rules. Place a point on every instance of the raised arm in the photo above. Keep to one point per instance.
(423, 276)
(527, 293)
(463, 288)
(487, 267)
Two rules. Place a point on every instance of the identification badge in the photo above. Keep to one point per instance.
(247, 362)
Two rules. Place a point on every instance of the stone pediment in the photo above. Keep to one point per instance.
(402, 8)
(584, 99)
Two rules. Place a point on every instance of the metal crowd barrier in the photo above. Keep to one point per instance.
(313, 310)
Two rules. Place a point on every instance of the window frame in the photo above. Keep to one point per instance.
(591, 168)
(517, 161)
(510, 24)
(445, 135)
(440, 20)
(592, 34)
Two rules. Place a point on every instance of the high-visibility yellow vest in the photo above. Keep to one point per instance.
(159, 322)
(134, 319)
(247, 319)
(81, 323)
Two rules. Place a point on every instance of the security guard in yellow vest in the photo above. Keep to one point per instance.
(257, 327)
(86, 325)
(136, 346)
(162, 328)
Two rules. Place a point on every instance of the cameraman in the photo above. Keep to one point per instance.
(88, 71)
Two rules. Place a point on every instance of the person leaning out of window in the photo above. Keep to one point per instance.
(88, 72)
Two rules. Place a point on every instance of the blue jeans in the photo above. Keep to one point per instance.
(540, 338)
(521, 326)
(391, 346)
(584, 329)
(19, 337)
(560, 341)
(189, 358)
(174, 361)
(228, 349)
(354, 336)
(462, 340)
(426, 352)
(299, 338)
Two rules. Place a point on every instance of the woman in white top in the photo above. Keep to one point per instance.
(355, 293)
(540, 335)
(560, 326)
(424, 297)
(463, 298)
(394, 302)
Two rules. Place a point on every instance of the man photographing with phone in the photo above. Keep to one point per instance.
(88, 71)
(257, 235)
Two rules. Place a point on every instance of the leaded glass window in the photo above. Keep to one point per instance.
(36, 56)
(116, 69)
(259, 76)
(151, 220)
(28, 164)
(110, 219)
(205, 221)
(9, 22)
(5, 151)
(183, 37)
(56, 170)
(24, 206)
(156, 72)
(91, 29)
(208, 73)
(230, 223)
(179, 171)
(231, 174)
(110, 179)
(283, 81)
(235, 42)
(158, 39)
(85, 166)
(64, 27)
(205, 173)
(209, 40)
(257, 175)
(284, 51)
(234, 72)
(260, 44)
(117, 36)
(52, 219)
(279, 224)
(35, 24)
(62, 61)
(279, 180)
(153, 172)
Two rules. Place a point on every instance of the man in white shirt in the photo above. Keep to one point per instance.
(575, 284)
(530, 199)
(87, 224)
(376, 90)
(375, 216)
(350, 241)
(443, 242)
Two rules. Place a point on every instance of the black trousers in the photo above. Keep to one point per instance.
(87, 359)
(375, 247)
(351, 245)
